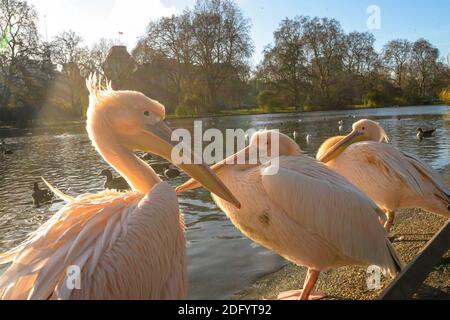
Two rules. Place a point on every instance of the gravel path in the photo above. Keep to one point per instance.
(413, 229)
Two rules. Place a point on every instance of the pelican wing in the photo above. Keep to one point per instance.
(104, 235)
(428, 174)
(409, 171)
(326, 204)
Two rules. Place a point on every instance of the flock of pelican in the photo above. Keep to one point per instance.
(319, 213)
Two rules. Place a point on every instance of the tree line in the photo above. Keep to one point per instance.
(199, 62)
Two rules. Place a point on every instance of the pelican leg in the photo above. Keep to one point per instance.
(390, 220)
(306, 292)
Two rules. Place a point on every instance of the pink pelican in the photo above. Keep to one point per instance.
(391, 178)
(306, 212)
(124, 245)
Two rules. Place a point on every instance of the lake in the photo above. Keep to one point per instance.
(221, 260)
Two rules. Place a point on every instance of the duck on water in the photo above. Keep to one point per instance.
(41, 196)
(112, 183)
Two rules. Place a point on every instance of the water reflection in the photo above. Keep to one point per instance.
(221, 260)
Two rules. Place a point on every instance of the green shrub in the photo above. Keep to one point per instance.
(268, 100)
(191, 105)
(375, 98)
(307, 108)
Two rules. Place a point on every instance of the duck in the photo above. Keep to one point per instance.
(425, 133)
(3, 149)
(41, 196)
(119, 184)
(147, 157)
(171, 173)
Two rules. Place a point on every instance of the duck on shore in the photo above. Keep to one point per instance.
(41, 196)
(112, 183)
(425, 133)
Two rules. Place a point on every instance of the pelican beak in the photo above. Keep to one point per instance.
(340, 146)
(242, 156)
(162, 145)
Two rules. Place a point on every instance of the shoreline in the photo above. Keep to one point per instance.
(43, 126)
(413, 229)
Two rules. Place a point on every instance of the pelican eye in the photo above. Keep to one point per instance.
(147, 113)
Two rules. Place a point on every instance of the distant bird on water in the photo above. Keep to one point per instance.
(3, 148)
(171, 173)
(127, 246)
(41, 196)
(424, 133)
(304, 211)
(147, 157)
(308, 138)
(112, 183)
(391, 178)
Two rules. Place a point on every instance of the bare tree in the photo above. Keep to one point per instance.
(19, 36)
(170, 41)
(71, 56)
(424, 60)
(97, 56)
(68, 48)
(325, 39)
(222, 43)
(397, 54)
(359, 48)
(285, 65)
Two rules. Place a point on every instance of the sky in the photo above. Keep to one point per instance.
(410, 19)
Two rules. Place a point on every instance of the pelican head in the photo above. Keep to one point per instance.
(262, 143)
(122, 122)
(266, 141)
(363, 130)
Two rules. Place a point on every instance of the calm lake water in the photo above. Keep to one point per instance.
(221, 260)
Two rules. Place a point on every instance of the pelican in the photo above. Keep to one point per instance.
(391, 178)
(124, 245)
(305, 212)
